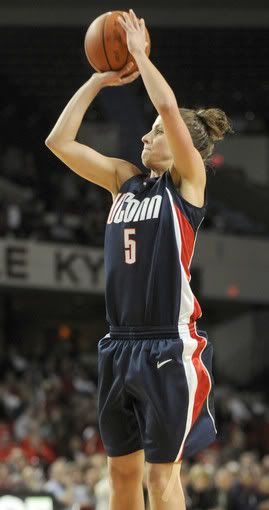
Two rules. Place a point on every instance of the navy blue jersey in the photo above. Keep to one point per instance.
(149, 242)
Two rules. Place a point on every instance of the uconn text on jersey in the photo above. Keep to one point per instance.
(126, 208)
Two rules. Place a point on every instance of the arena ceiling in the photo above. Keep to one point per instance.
(145, 4)
(159, 13)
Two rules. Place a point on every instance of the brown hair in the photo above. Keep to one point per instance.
(206, 127)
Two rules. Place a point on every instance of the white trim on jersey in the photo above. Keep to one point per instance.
(186, 295)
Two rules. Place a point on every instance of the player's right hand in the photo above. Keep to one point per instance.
(116, 78)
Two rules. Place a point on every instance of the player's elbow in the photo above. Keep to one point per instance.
(53, 144)
(48, 142)
(168, 106)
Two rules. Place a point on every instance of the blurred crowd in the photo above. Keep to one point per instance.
(57, 206)
(49, 439)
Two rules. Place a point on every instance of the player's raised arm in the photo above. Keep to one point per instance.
(85, 161)
(186, 158)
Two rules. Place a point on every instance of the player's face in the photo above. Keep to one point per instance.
(156, 154)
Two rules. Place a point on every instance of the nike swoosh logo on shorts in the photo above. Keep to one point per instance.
(159, 365)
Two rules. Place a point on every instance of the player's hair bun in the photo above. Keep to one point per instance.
(216, 123)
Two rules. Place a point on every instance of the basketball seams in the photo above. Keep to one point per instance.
(127, 56)
(104, 42)
(110, 19)
(127, 53)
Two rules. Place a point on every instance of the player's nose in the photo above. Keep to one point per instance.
(146, 138)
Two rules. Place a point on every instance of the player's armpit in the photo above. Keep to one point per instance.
(125, 171)
(194, 194)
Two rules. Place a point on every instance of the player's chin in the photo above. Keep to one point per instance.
(145, 157)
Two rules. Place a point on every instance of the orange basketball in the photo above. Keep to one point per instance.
(105, 44)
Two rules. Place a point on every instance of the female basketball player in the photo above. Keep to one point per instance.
(155, 399)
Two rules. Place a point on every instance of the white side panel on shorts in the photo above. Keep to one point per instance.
(190, 345)
(209, 378)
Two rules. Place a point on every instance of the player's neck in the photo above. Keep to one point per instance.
(154, 173)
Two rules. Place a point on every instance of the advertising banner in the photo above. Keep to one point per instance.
(26, 502)
(51, 266)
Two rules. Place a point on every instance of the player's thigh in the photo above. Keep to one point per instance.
(127, 467)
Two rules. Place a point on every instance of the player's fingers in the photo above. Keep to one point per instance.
(130, 78)
(125, 69)
(127, 20)
(142, 23)
(122, 22)
(134, 18)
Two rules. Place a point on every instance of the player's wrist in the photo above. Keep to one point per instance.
(139, 54)
(97, 80)
(140, 58)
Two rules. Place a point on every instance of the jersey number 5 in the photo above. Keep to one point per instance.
(129, 246)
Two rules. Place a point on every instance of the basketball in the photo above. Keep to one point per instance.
(105, 44)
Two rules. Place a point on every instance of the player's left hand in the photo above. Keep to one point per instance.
(135, 32)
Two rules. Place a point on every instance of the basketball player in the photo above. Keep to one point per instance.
(155, 396)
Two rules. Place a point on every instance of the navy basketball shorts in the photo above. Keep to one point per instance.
(155, 392)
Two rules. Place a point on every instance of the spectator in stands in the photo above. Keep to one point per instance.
(102, 490)
(74, 450)
(60, 483)
(263, 489)
(32, 479)
(5, 481)
(13, 219)
(92, 476)
(59, 231)
(16, 462)
(243, 495)
(224, 480)
(34, 447)
(6, 442)
(83, 493)
(201, 491)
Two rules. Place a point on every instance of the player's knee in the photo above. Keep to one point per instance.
(120, 477)
(156, 482)
(158, 476)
